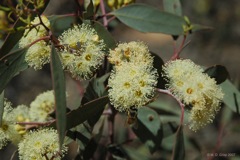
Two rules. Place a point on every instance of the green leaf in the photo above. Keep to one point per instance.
(173, 6)
(218, 72)
(11, 65)
(231, 96)
(59, 86)
(93, 144)
(1, 106)
(105, 35)
(199, 27)
(59, 23)
(179, 149)
(149, 128)
(90, 11)
(12, 38)
(83, 113)
(149, 19)
(95, 89)
(134, 153)
(169, 128)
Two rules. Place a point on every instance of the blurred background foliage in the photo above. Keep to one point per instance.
(207, 48)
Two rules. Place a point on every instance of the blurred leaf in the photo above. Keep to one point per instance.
(1, 106)
(93, 144)
(95, 89)
(83, 113)
(149, 128)
(135, 153)
(169, 128)
(59, 86)
(218, 72)
(12, 38)
(59, 23)
(117, 151)
(149, 19)
(81, 134)
(231, 96)
(11, 65)
(179, 149)
(173, 6)
(158, 64)
(105, 35)
(198, 27)
(163, 106)
(226, 115)
(90, 11)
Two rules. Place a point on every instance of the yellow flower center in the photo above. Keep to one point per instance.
(127, 85)
(88, 57)
(189, 90)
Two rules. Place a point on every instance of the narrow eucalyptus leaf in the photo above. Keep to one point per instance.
(59, 86)
(149, 19)
(179, 149)
(90, 11)
(84, 112)
(10, 65)
(1, 106)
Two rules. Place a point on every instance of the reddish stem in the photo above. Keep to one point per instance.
(105, 21)
(177, 52)
(179, 102)
(219, 141)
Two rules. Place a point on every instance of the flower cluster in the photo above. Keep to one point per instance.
(133, 80)
(83, 52)
(41, 144)
(39, 111)
(188, 83)
(9, 130)
(39, 53)
(4, 128)
(42, 107)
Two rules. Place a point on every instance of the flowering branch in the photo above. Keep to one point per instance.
(179, 102)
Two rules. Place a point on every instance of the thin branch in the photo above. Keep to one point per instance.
(105, 21)
(179, 102)
(177, 52)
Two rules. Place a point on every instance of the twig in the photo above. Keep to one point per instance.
(179, 102)
(105, 21)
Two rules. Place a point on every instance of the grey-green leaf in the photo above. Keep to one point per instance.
(145, 18)
(173, 6)
(10, 65)
(84, 112)
(1, 106)
(231, 96)
(149, 128)
(179, 149)
(105, 35)
(59, 87)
